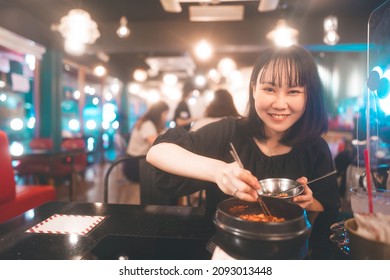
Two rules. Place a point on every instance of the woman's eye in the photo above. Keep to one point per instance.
(268, 89)
(295, 91)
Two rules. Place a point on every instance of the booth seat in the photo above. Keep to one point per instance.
(15, 200)
(26, 198)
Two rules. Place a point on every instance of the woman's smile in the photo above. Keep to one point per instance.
(278, 117)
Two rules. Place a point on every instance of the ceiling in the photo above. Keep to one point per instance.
(158, 33)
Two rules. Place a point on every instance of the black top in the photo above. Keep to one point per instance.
(213, 140)
(311, 161)
(183, 111)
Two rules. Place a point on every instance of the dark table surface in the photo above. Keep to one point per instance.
(127, 232)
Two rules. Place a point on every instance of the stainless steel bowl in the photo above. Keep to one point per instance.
(279, 188)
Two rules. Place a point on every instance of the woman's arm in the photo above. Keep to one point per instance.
(228, 176)
(179, 161)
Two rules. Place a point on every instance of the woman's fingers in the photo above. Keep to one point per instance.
(246, 196)
(306, 198)
(238, 182)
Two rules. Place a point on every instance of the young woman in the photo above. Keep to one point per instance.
(221, 106)
(280, 137)
(145, 131)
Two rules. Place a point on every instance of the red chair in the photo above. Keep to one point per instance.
(41, 144)
(15, 200)
(65, 166)
(72, 165)
(35, 167)
(80, 161)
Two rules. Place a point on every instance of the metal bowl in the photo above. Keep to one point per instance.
(278, 188)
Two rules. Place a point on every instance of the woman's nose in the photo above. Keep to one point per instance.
(280, 101)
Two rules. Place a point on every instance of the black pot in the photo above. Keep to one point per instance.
(243, 239)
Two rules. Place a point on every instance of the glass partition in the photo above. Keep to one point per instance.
(376, 124)
(371, 144)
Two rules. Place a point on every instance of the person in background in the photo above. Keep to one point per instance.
(145, 131)
(221, 106)
(281, 137)
(182, 116)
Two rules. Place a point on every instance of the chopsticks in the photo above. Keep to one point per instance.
(263, 206)
(235, 156)
(312, 181)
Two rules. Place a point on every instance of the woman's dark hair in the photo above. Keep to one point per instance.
(188, 89)
(153, 114)
(298, 66)
(222, 105)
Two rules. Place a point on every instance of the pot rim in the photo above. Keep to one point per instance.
(259, 235)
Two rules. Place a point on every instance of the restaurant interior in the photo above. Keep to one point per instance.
(76, 75)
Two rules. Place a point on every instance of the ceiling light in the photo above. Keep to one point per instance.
(226, 65)
(75, 47)
(123, 30)
(78, 29)
(140, 75)
(283, 35)
(330, 23)
(204, 50)
(268, 5)
(216, 13)
(331, 38)
(330, 29)
(170, 79)
(100, 71)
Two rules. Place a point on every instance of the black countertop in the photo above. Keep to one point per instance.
(127, 232)
(149, 232)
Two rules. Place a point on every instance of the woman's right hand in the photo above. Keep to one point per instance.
(233, 180)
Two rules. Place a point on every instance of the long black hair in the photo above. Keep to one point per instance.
(222, 105)
(298, 66)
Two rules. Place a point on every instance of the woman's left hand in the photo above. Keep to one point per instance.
(306, 198)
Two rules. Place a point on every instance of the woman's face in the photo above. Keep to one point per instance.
(278, 104)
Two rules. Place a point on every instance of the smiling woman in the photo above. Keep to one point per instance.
(286, 110)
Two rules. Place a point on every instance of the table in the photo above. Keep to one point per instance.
(51, 156)
(128, 231)
(139, 232)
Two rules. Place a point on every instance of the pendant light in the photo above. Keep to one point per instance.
(123, 30)
(78, 29)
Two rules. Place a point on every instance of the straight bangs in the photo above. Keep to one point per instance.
(284, 70)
